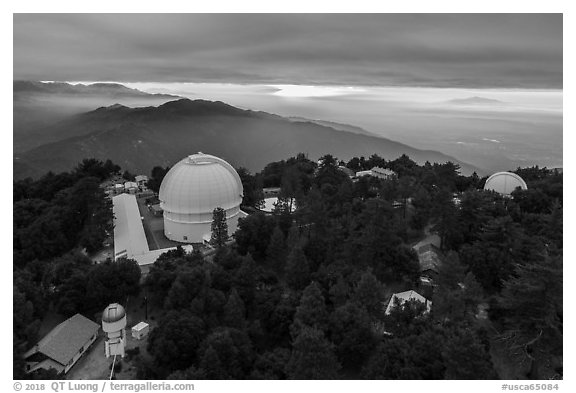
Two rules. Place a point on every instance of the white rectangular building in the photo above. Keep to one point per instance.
(140, 330)
(129, 237)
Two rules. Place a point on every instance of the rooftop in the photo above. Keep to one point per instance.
(406, 296)
(66, 339)
(429, 257)
(383, 171)
(139, 326)
(113, 313)
(196, 185)
(129, 236)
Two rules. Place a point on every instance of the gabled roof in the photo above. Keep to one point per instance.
(429, 257)
(66, 339)
(406, 296)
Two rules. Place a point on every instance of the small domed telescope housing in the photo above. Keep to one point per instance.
(114, 325)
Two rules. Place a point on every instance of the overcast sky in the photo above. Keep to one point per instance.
(432, 50)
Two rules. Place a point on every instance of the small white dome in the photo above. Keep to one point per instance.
(113, 313)
(198, 184)
(504, 183)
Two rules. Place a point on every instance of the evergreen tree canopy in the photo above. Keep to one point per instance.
(312, 357)
(219, 230)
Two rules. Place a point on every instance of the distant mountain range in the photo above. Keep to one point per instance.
(38, 105)
(22, 90)
(140, 138)
(332, 124)
(475, 101)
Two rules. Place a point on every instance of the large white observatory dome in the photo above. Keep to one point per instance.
(190, 192)
(504, 183)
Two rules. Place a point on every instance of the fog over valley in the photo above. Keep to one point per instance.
(492, 129)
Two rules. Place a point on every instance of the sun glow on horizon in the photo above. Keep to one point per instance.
(304, 91)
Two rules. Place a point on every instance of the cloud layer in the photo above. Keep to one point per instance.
(434, 50)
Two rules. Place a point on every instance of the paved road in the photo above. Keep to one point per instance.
(93, 365)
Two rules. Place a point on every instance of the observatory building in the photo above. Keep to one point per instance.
(190, 192)
(114, 325)
(504, 183)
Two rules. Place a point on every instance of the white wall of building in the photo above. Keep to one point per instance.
(186, 232)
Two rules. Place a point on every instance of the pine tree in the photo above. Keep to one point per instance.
(234, 311)
(447, 224)
(312, 357)
(293, 239)
(387, 361)
(466, 358)
(297, 269)
(282, 213)
(211, 365)
(451, 272)
(219, 228)
(245, 279)
(533, 316)
(493, 256)
(369, 293)
(350, 331)
(339, 292)
(312, 310)
(276, 251)
(271, 364)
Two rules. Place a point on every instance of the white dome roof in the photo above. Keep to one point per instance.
(504, 183)
(113, 313)
(198, 184)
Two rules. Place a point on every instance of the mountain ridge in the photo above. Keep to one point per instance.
(141, 138)
(476, 100)
(39, 105)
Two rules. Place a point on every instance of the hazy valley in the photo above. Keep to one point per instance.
(142, 137)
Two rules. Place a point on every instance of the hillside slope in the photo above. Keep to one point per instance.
(38, 105)
(141, 138)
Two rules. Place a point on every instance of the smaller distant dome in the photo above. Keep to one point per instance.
(113, 313)
(505, 183)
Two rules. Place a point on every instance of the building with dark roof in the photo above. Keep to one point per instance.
(63, 346)
(430, 258)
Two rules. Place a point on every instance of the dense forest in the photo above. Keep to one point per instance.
(58, 219)
(301, 294)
